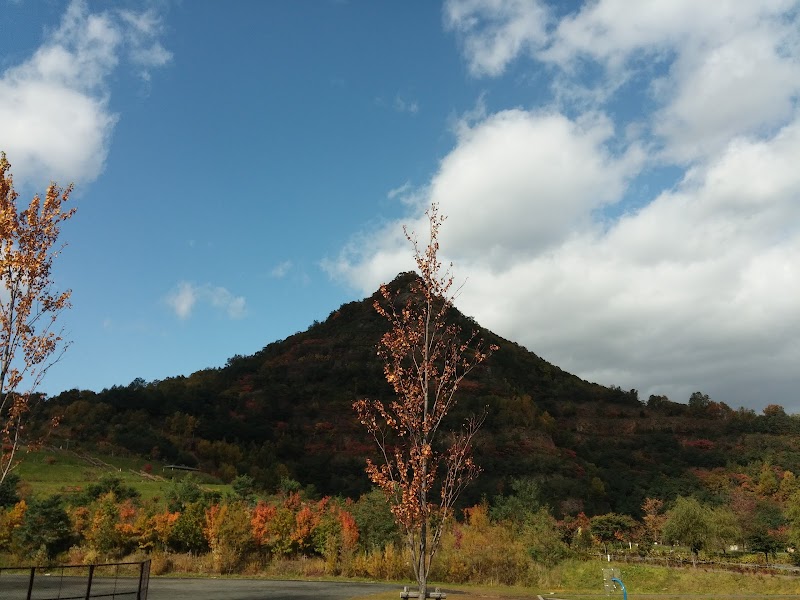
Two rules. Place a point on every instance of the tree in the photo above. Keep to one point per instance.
(45, 528)
(8, 490)
(425, 357)
(376, 524)
(763, 541)
(793, 522)
(653, 518)
(689, 523)
(699, 402)
(523, 502)
(611, 527)
(725, 529)
(30, 342)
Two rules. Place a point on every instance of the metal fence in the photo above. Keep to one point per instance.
(686, 561)
(126, 581)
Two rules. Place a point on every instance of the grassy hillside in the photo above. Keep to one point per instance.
(55, 471)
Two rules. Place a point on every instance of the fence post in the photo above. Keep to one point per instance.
(89, 583)
(30, 582)
(145, 564)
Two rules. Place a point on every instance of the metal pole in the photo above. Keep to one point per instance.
(30, 583)
(622, 585)
(89, 583)
(141, 579)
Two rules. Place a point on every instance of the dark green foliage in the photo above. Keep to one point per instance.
(182, 493)
(543, 539)
(612, 528)
(8, 490)
(243, 487)
(187, 534)
(520, 504)
(376, 525)
(45, 527)
(108, 483)
(690, 523)
(763, 541)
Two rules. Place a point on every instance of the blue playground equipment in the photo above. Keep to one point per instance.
(612, 581)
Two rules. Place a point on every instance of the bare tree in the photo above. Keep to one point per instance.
(29, 340)
(426, 357)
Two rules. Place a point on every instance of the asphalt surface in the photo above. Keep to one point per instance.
(260, 589)
(15, 588)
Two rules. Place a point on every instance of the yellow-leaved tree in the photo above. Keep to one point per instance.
(426, 356)
(30, 341)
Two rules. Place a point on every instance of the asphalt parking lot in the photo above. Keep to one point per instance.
(260, 589)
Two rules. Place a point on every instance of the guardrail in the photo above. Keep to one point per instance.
(126, 580)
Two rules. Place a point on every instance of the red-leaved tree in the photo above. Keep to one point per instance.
(426, 356)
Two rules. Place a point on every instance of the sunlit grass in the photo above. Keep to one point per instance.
(583, 580)
(48, 472)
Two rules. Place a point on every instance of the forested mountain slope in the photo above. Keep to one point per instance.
(286, 412)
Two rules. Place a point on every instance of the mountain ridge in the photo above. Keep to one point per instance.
(285, 412)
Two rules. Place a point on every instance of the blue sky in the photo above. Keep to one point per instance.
(620, 179)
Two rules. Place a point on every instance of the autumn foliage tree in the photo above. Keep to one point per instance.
(426, 356)
(30, 341)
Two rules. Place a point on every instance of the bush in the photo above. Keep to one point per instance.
(45, 530)
(481, 552)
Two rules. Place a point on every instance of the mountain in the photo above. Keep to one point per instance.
(286, 412)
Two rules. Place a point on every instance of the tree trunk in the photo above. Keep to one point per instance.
(422, 575)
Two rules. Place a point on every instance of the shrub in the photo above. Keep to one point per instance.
(45, 530)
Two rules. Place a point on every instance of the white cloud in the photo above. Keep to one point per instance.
(400, 191)
(726, 70)
(695, 290)
(494, 32)
(146, 52)
(518, 183)
(221, 298)
(182, 299)
(729, 69)
(406, 106)
(282, 269)
(185, 296)
(54, 111)
(739, 87)
(696, 287)
(511, 187)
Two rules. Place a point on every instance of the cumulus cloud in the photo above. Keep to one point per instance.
(687, 286)
(185, 296)
(54, 110)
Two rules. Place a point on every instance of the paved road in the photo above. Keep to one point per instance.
(260, 589)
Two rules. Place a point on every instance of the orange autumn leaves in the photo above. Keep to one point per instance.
(425, 358)
(30, 341)
(231, 531)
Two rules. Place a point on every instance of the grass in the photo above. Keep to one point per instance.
(53, 471)
(578, 579)
(583, 580)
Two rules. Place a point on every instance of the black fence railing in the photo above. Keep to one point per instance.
(123, 581)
